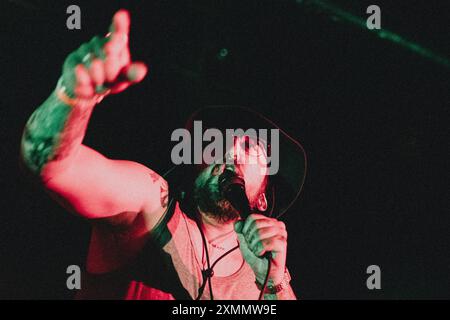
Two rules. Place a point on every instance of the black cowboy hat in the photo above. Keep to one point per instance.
(284, 187)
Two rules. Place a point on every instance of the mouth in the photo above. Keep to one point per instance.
(210, 200)
(228, 178)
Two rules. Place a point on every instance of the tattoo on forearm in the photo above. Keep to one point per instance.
(52, 132)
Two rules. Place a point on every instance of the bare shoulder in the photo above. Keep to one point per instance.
(118, 239)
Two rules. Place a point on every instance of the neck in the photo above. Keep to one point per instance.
(214, 228)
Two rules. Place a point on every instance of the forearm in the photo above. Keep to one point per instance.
(54, 132)
(81, 179)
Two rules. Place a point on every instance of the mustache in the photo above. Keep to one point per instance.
(212, 203)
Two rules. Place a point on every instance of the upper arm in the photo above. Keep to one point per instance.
(97, 187)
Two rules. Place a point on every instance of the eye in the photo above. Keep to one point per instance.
(248, 144)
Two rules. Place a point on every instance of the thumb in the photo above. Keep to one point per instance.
(131, 74)
(238, 225)
(136, 71)
(248, 255)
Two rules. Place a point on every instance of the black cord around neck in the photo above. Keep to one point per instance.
(208, 273)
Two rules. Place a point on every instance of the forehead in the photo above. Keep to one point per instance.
(248, 151)
(238, 148)
(248, 144)
(238, 140)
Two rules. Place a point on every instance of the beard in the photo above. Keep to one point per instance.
(210, 201)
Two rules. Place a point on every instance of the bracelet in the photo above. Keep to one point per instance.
(64, 97)
(274, 289)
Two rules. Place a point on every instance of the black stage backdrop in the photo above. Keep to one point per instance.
(372, 117)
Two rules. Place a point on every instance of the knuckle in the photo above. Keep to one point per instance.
(280, 225)
(94, 40)
(272, 221)
(261, 247)
(84, 49)
(254, 242)
(80, 68)
(256, 248)
(281, 242)
(248, 237)
(255, 236)
(258, 224)
(251, 225)
(71, 60)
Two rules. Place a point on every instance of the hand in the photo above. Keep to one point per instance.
(257, 235)
(103, 65)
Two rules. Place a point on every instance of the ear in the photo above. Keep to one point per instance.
(261, 202)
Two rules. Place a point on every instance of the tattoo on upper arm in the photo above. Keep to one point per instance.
(155, 177)
(164, 193)
(163, 188)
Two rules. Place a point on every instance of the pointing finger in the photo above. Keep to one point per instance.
(121, 22)
(112, 68)
(116, 43)
(124, 57)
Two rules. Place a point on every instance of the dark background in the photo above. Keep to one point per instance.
(372, 117)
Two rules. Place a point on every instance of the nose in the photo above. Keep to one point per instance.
(234, 154)
(230, 167)
(237, 150)
(230, 156)
(220, 168)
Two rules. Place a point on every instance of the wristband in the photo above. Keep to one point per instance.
(274, 289)
(64, 97)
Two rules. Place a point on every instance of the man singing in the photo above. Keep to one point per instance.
(146, 243)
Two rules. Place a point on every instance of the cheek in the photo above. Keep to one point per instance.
(254, 177)
(201, 179)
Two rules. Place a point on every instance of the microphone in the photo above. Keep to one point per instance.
(232, 188)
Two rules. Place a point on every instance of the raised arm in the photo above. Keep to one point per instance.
(80, 178)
